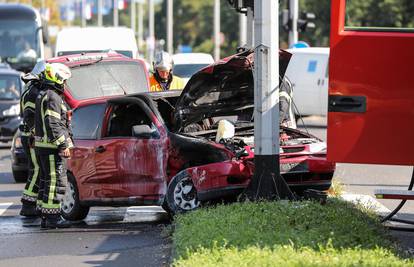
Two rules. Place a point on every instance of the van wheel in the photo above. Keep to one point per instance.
(182, 194)
(71, 208)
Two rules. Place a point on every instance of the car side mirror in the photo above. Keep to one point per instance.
(144, 131)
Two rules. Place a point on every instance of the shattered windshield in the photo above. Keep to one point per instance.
(9, 87)
(18, 39)
(107, 78)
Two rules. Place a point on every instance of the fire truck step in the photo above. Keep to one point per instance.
(394, 194)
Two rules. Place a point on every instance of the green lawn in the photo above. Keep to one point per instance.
(284, 234)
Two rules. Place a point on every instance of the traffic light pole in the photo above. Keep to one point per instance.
(115, 16)
(242, 29)
(170, 26)
(133, 16)
(83, 4)
(294, 16)
(250, 28)
(266, 97)
(100, 6)
(151, 26)
(216, 30)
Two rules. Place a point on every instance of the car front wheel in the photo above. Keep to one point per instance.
(182, 194)
(71, 208)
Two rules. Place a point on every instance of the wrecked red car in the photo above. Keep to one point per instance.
(160, 148)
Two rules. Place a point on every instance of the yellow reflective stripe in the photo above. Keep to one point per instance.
(26, 134)
(52, 179)
(44, 145)
(22, 100)
(60, 140)
(53, 114)
(29, 105)
(35, 171)
(50, 206)
(63, 107)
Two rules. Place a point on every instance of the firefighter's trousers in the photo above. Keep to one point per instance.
(30, 192)
(53, 181)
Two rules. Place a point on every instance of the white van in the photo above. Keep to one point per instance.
(186, 64)
(308, 71)
(96, 39)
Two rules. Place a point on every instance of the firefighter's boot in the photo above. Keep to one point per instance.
(29, 209)
(54, 222)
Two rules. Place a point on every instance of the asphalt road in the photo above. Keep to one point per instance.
(137, 236)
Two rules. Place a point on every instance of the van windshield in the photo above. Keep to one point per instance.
(187, 70)
(108, 78)
(18, 37)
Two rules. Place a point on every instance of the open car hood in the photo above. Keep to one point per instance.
(224, 88)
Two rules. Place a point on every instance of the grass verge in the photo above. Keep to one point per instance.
(284, 234)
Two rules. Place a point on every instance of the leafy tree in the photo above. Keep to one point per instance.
(193, 25)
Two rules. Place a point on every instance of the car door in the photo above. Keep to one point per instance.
(131, 167)
(371, 90)
(86, 125)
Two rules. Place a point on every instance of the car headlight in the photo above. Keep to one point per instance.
(17, 142)
(317, 147)
(12, 111)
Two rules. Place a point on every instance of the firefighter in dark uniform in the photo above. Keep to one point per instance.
(27, 108)
(52, 144)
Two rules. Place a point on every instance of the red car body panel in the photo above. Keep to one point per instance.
(238, 172)
(373, 64)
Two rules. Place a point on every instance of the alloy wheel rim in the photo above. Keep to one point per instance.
(69, 199)
(185, 195)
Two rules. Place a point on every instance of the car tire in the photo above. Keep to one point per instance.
(182, 194)
(20, 176)
(71, 208)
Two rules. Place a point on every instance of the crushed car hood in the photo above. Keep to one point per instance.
(222, 89)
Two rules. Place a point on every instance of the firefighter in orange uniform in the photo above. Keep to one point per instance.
(163, 79)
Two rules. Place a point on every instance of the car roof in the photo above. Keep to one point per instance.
(84, 58)
(309, 50)
(192, 58)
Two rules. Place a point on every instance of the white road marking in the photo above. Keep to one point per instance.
(4, 207)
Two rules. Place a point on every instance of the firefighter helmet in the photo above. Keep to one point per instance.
(57, 73)
(163, 61)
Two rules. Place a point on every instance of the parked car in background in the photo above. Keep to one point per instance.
(10, 91)
(162, 148)
(308, 71)
(76, 40)
(93, 75)
(186, 64)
